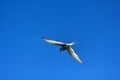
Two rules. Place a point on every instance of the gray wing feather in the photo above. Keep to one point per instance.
(53, 42)
(74, 55)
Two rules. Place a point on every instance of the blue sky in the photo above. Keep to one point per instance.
(25, 56)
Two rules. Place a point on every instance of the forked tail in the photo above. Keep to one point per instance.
(72, 43)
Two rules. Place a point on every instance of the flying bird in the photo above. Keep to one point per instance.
(64, 47)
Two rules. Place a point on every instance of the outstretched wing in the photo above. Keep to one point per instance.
(53, 42)
(73, 54)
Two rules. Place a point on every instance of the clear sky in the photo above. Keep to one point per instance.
(25, 56)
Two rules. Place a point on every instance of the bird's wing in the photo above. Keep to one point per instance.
(53, 42)
(73, 54)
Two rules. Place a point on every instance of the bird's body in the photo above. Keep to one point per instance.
(65, 47)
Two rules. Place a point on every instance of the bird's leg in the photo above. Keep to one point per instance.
(60, 50)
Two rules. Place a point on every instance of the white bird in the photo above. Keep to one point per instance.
(64, 47)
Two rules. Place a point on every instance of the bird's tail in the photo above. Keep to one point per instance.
(72, 43)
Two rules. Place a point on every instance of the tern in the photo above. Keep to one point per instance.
(64, 47)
